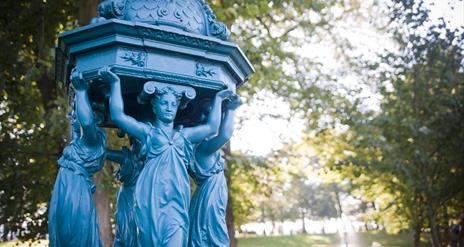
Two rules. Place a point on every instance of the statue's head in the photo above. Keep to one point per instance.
(165, 104)
(165, 99)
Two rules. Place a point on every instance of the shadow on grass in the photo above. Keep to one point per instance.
(331, 240)
(290, 241)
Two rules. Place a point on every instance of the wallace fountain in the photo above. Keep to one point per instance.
(164, 73)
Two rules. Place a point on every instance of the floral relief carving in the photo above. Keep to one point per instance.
(135, 57)
(202, 70)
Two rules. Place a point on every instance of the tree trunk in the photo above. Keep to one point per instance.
(102, 203)
(417, 235)
(446, 227)
(339, 203)
(87, 11)
(339, 207)
(461, 233)
(323, 227)
(229, 211)
(47, 87)
(273, 227)
(433, 226)
(230, 223)
(303, 221)
(417, 225)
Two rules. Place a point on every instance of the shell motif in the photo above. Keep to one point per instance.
(183, 14)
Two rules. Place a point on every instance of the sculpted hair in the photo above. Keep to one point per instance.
(158, 93)
(154, 90)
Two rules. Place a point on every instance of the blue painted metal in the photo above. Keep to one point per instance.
(162, 192)
(147, 66)
(139, 50)
(190, 16)
(72, 218)
(209, 202)
(131, 164)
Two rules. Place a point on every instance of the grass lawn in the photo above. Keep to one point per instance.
(329, 240)
(289, 241)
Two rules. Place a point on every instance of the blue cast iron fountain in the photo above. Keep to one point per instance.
(165, 73)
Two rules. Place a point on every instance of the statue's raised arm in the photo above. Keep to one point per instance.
(201, 132)
(84, 113)
(226, 129)
(127, 123)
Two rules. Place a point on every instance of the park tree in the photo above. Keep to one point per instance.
(315, 201)
(302, 192)
(33, 122)
(421, 117)
(413, 146)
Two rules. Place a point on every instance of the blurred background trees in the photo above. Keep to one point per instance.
(398, 152)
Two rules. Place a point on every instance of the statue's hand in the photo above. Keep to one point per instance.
(78, 81)
(224, 94)
(234, 102)
(107, 75)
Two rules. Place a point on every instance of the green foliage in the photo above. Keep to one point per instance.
(251, 180)
(412, 150)
(270, 33)
(313, 200)
(298, 189)
(422, 121)
(32, 114)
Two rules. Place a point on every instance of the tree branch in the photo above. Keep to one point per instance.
(265, 26)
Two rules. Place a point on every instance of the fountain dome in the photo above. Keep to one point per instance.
(194, 16)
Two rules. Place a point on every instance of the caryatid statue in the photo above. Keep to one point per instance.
(151, 64)
(209, 202)
(130, 165)
(72, 218)
(162, 192)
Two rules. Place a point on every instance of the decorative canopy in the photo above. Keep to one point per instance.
(175, 42)
(193, 16)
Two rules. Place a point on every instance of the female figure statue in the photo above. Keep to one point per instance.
(208, 206)
(72, 217)
(162, 192)
(130, 166)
